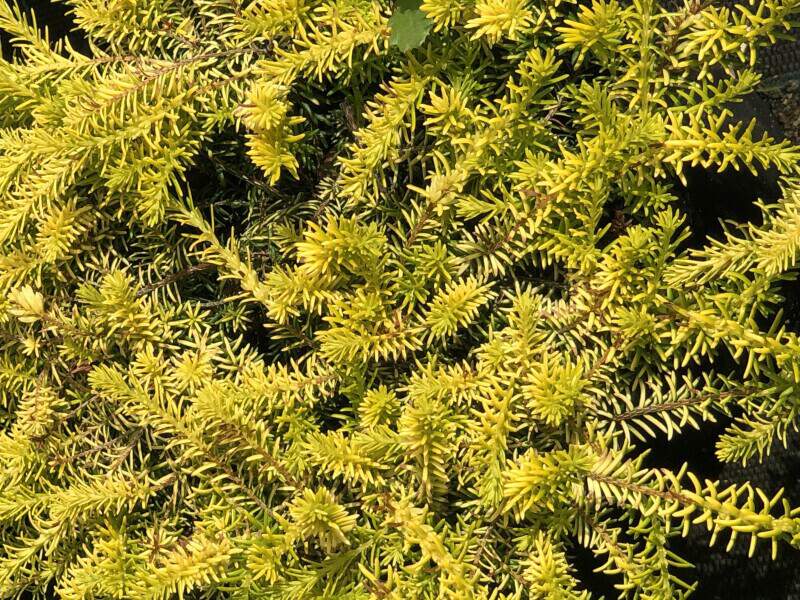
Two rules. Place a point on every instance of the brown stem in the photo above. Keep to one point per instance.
(667, 406)
(173, 277)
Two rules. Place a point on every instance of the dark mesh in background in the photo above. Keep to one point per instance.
(732, 575)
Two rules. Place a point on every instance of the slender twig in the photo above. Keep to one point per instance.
(173, 277)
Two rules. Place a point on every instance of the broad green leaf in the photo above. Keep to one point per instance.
(409, 27)
(408, 5)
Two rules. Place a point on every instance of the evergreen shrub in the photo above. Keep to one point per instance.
(349, 299)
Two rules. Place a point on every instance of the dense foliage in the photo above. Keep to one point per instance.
(345, 299)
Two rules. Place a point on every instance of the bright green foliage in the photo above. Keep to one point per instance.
(303, 301)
